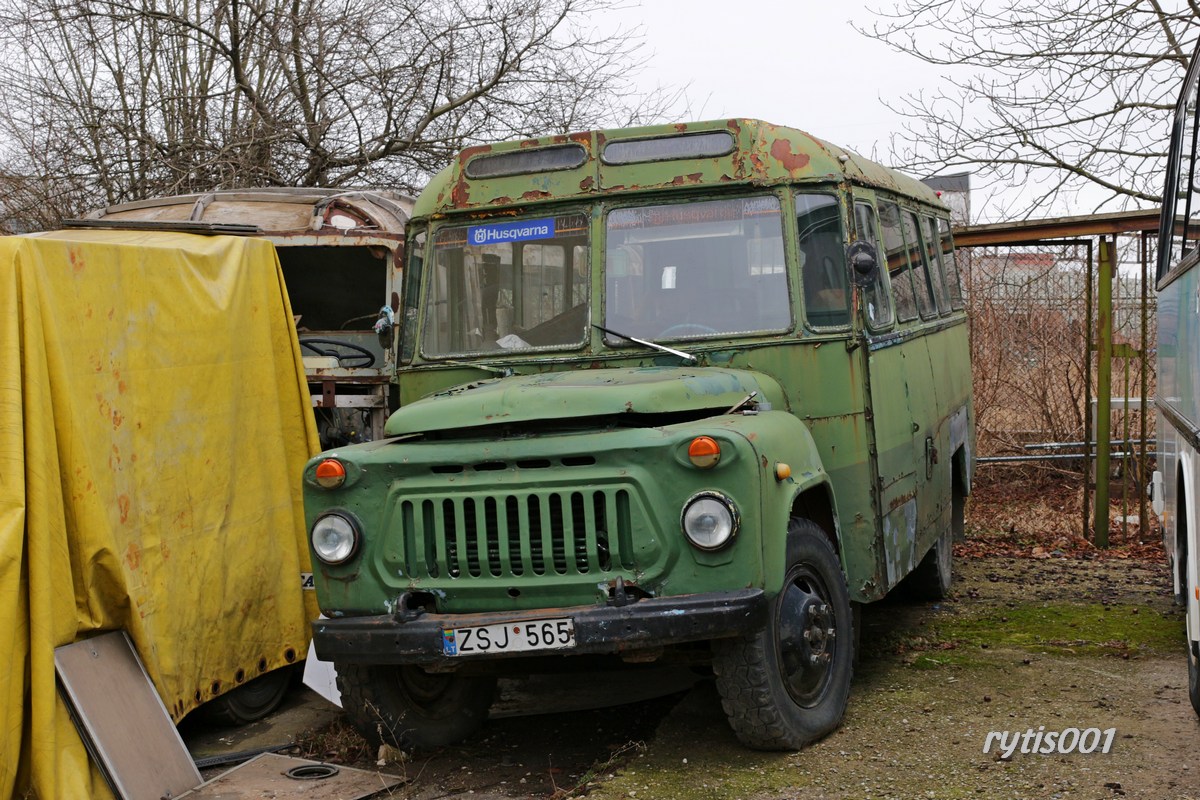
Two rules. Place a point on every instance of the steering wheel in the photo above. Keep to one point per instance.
(359, 357)
(684, 328)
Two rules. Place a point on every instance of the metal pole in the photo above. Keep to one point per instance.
(1103, 385)
(1087, 382)
(1143, 519)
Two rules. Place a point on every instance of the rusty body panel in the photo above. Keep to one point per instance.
(341, 256)
(764, 155)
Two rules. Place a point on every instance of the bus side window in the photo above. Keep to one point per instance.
(937, 271)
(950, 266)
(920, 269)
(897, 261)
(822, 260)
(1187, 202)
(879, 308)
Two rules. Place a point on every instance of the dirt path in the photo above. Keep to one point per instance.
(1022, 644)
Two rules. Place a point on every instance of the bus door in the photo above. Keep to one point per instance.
(901, 384)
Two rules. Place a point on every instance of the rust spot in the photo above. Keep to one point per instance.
(681, 127)
(117, 419)
(781, 149)
(504, 201)
(468, 153)
(77, 264)
(133, 555)
(460, 195)
(123, 508)
(584, 138)
(529, 143)
(166, 551)
(679, 180)
(121, 387)
(587, 183)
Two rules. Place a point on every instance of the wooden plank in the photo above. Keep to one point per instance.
(123, 720)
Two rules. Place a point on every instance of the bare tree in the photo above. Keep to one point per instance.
(104, 101)
(1068, 97)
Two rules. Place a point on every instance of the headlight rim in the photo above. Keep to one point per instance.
(730, 506)
(355, 530)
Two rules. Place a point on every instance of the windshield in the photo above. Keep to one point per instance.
(696, 269)
(512, 285)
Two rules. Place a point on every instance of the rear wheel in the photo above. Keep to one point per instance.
(251, 701)
(788, 684)
(931, 578)
(407, 707)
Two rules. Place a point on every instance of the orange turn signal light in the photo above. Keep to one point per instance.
(330, 474)
(704, 452)
(782, 471)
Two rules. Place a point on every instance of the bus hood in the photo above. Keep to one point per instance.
(583, 393)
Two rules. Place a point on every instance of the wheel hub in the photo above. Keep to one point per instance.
(807, 638)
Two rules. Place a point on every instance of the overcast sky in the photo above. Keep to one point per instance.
(791, 62)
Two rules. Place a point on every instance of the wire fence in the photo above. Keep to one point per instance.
(1035, 368)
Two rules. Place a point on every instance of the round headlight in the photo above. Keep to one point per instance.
(709, 521)
(334, 538)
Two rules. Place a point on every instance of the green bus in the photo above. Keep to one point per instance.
(687, 391)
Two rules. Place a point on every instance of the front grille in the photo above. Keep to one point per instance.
(518, 534)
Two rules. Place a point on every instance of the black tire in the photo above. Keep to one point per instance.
(932, 577)
(407, 707)
(787, 685)
(251, 701)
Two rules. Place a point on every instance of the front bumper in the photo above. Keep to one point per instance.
(610, 629)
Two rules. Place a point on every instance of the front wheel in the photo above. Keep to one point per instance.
(788, 684)
(407, 707)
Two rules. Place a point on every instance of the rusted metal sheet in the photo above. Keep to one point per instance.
(1036, 230)
(278, 212)
(283, 777)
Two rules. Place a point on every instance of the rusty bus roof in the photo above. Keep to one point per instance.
(285, 215)
(762, 154)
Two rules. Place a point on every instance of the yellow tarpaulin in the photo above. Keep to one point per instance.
(154, 422)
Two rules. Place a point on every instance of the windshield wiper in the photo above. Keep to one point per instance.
(648, 343)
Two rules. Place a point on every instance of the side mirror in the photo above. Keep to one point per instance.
(864, 263)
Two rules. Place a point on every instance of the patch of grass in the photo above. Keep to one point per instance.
(1064, 628)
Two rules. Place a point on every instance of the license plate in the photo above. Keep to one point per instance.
(509, 637)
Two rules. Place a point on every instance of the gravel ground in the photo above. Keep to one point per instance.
(1022, 644)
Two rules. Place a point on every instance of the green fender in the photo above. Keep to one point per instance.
(780, 438)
